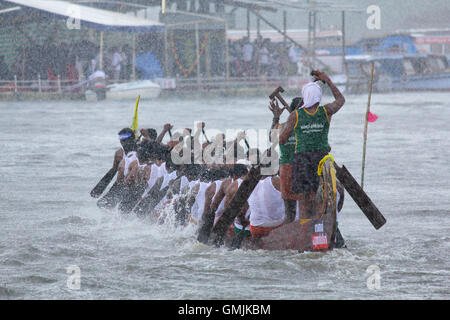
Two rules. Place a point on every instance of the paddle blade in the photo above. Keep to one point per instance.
(360, 197)
(103, 183)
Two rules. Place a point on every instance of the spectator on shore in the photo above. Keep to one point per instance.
(264, 57)
(5, 74)
(274, 70)
(247, 56)
(116, 63)
(293, 60)
(127, 64)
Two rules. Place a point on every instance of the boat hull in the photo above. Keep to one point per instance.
(128, 91)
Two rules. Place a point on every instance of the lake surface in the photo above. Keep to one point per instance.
(53, 153)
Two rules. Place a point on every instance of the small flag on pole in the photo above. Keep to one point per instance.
(372, 117)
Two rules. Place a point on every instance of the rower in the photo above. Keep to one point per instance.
(199, 192)
(218, 201)
(287, 152)
(266, 206)
(311, 124)
(132, 191)
(183, 203)
(129, 146)
(148, 135)
(241, 222)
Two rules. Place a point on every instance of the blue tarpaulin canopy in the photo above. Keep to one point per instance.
(99, 19)
(149, 66)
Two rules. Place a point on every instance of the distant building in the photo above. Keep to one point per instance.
(436, 41)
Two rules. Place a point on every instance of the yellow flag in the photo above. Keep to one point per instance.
(134, 125)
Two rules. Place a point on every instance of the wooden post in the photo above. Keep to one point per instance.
(258, 27)
(365, 126)
(248, 24)
(166, 55)
(285, 29)
(207, 61)
(134, 58)
(343, 41)
(285, 72)
(58, 81)
(101, 51)
(197, 48)
(227, 54)
(23, 63)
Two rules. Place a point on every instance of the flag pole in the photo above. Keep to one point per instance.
(366, 120)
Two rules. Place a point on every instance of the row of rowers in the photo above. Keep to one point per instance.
(151, 185)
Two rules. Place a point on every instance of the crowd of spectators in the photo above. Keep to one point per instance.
(262, 57)
(70, 62)
(75, 62)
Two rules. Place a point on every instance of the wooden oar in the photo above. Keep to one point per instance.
(246, 143)
(239, 199)
(204, 134)
(112, 197)
(205, 229)
(103, 183)
(360, 197)
(130, 198)
(151, 199)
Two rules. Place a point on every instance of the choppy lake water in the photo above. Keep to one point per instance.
(53, 153)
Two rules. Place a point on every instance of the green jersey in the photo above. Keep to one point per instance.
(287, 150)
(311, 130)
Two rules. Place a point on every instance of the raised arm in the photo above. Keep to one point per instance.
(118, 156)
(287, 129)
(277, 111)
(220, 195)
(120, 173)
(209, 194)
(165, 129)
(333, 107)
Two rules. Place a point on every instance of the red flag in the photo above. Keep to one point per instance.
(372, 117)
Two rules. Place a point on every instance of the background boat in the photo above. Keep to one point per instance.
(398, 72)
(130, 90)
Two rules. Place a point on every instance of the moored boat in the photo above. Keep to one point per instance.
(398, 72)
(130, 90)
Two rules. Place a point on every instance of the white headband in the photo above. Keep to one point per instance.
(311, 93)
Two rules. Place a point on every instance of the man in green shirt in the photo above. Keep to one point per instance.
(310, 123)
(287, 152)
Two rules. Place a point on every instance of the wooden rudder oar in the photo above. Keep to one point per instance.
(360, 197)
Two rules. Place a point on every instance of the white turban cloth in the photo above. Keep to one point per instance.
(311, 93)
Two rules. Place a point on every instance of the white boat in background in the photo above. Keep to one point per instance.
(130, 90)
